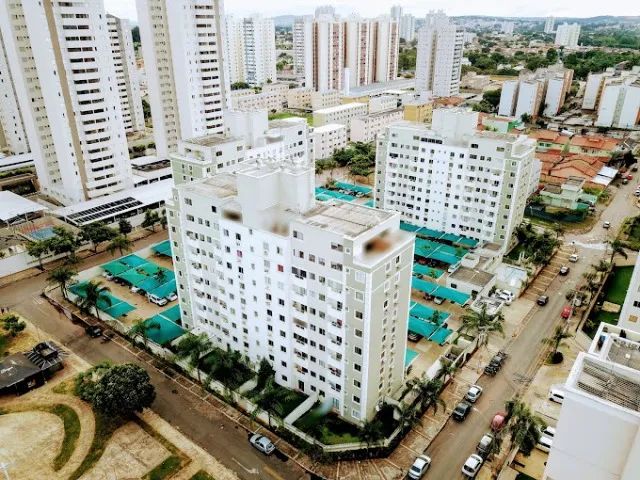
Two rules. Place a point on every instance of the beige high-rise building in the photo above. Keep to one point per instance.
(183, 46)
(124, 61)
(64, 80)
(13, 137)
(251, 49)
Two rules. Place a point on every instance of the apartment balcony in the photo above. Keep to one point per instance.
(334, 295)
(335, 360)
(333, 311)
(336, 328)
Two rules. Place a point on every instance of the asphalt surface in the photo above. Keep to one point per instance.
(184, 410)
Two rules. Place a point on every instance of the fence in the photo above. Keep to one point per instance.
(574, 216)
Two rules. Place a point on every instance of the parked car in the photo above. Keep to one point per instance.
(93, 331)
(438, 300)
(542, 300)
(461, 411)
(107, 275)
(134, 289)
(491, 370)
(574, 258)
(419, 467)
(556, 395)
(544, 444)
(606, 225)
(498, 359)
(625, 181)
(629, 177)
(564, 270)
(172, 297)
(485, 444)
(637, 192)
(505, 298)
(262, 443)
(414, 337)
(566, 312)
(548, 431)
(472, 465)
(160, 301)
(473, 394)
(498, 422)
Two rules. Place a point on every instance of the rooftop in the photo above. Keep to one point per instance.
(347, 219)
(470, 275)
(329, 127)
(210, 140)
(596, 142)
(14, 205)
(609, 382)
(222, 185)
(340, 108)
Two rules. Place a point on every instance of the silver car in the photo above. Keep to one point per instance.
(419, 467)
(472, 466)
(474, 393)
(262, 443)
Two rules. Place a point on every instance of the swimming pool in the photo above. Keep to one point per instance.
(42, 234)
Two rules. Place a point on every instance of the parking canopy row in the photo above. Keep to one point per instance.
(143, 274)
(107, 303)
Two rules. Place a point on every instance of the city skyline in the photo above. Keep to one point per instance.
(501, 8)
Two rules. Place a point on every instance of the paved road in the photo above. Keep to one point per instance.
(200, 422)
(457, 441)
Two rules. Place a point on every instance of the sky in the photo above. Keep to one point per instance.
(371, 8)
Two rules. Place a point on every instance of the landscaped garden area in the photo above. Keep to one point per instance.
(533, 247)
(631, 233)
(613, 292)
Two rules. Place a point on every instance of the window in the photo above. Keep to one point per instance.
(356, 383)
(357, 350)
(359, 315)
(357, 367)
(356, 399)
(358, 333)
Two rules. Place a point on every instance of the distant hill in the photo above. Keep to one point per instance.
(284, 20)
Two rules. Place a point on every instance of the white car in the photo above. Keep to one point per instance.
(134, 289)
(419, 467)
(262, 443)
(472, 465)
(172, 297)
(473, 394)
(574, 258)
(160, 301)
(544, 444)
(107, 275)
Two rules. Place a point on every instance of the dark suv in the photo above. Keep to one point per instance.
(461, 411)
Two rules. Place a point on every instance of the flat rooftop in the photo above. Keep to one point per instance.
(610, 383)
(340, 108)
(470, 275)
(347, 219)
(210, 140)
(222, 185)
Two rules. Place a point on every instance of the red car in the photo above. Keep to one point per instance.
(629, 177)
(566, 312)
(499, 421)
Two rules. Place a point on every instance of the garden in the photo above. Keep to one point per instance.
(533, 247)
(613, 293)
(631, 233)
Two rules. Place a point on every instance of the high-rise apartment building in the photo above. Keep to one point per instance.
(251, 47)
(325, 45)
(124, 61)
(567, 35)
(408, 27)
(549, 25)
(439, 56)
(13, 136)
(319, 291)
(60, 61)
(182, 45)
(453, 178)
(598, 432)
(396, 12)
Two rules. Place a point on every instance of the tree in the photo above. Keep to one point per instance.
(272, 399)
(240, 86)
(492, 97)
(526, 118)
(556, 341)
(558, 230)
(38, 250)
(192, 348)
(13, 325)
(482, 324)
(552, 55)
(96, 233)
(124, 227)
(602, 266)
(143, 328)
(118, 390)
(617, 248)
(371, 431)
(120, 243)
(524, 427)
(265, 372)
(64, 241)
(62, 276)
(163, 220)
(447, 369)
(95, 294)
(151, 217)
(428, 391)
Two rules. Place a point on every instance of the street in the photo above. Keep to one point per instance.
(201, 422)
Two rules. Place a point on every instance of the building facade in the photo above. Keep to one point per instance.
(549, 25)
(342, 114)
(13, 135)
(619, 104)
(567, 35)
(439, 56)
(251, 47)
(319, 291)
(124, 61)
(326, 140)
(182, 45)
(60, 60)
(366, 129)
(453, 178)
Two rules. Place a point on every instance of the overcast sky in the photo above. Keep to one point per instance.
(370, 8)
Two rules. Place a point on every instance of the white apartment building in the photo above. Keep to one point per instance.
(13, 136)
(328, 53)
(546, 87)
(387, 49)
(303, 50)
(383, 103)
(327, 99)
(366, 129)
(508, 98)
(182, 45)
(286, 139)
(320, 291)
(251, 47)
(598, 433)
(342, 114)
(250, 101)
(299, 98)
(124, 60)
(61, 65)
(326, 140)
(250, 126)
(530, 97)
(567, 35)
(549, 25)
(557, 88)
(204, 157)
(597, 81)
(439, 56)
(408, 28)
(630, 312)
(619, 105)
(453, 178)
(507, 28)
(360, 50)
(396, 12)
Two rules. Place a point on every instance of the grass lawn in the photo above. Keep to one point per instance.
(202, 475)
(71, 433)
(166, 469)
(296, 399)
(329, 428)
(617, 284)
(282, 115)
(5, 341)
(514, 254)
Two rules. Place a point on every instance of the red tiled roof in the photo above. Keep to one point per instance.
(549, 136)
(597, 142)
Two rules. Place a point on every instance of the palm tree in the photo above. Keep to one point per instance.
(94, 294)
(143, 328)
(193, 347)
(617, 248)
(556, 340)
(524, 427)
(447, 369)
(62, 276)
(482, 324)
(558, 230)
(371, 432)
(273, 399)
(407, 415)
(602, 266)
(161, 276)
(428, 391)
(120, 243)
